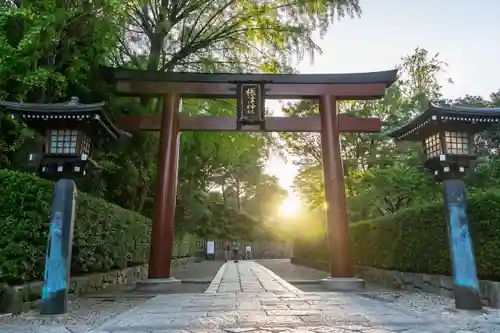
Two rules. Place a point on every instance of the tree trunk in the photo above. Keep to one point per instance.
(154, 59)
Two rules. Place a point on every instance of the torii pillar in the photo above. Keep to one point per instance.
(162, 230)
(341, 274)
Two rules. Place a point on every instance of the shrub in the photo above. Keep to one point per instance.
(105, 236)
(415, 239)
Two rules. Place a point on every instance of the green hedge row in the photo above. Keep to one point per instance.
(415, 240)
(105, 236)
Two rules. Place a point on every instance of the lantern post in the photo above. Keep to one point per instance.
(447, 134)
(70, 132)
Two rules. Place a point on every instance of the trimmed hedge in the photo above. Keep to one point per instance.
(105, 236)
(415, 240)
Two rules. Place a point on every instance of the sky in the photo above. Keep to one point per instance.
(466, 34)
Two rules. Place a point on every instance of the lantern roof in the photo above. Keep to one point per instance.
(442, 117)
(40, 116)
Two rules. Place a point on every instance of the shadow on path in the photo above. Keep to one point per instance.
(299, 275)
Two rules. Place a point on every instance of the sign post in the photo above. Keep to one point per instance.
(211, 250)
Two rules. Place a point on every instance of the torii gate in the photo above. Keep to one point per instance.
(175, 86)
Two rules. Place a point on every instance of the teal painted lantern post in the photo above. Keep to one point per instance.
(70, 131)
(447, 135)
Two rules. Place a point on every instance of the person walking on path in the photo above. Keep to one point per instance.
(248, 252)
(236, 247)
(226, 248)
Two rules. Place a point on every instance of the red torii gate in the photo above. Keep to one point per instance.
(174, 86)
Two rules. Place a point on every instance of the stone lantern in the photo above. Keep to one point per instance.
(447, 134)
(70, 132)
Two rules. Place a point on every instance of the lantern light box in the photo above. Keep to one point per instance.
(71, 130)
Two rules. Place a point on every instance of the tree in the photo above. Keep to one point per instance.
(264, 197)
(486, 174)
(215, 36)
(380, 177)
(50, 50)
(487, 142)
(230, 35)
(224, 35)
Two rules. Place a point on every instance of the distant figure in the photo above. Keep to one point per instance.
(226, 248)
(236, 248)
(248, 252)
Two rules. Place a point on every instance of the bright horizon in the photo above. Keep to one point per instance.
(463, 33)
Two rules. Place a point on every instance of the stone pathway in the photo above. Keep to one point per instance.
(247, 297)
(247, 276)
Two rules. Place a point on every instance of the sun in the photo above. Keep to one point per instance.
(290, 206)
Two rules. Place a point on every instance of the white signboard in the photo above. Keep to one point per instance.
(210, 247)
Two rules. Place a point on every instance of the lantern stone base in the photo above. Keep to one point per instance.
(157, 285)
(343, 284)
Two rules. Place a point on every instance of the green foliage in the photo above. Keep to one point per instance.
(184, 246)
(362, 153)
(225, 36)
(105, 236)
(381, 177)
(263, 197)
(133, 159)
(416, 240)
(50, 50)
(12, 139)
(47, 47)
(389, 189)
(227, 222)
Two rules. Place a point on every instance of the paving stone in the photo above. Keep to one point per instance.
(289, 312)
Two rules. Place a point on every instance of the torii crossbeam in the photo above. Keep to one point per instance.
(173, 87)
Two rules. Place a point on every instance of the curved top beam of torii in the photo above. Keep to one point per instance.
(354, 86)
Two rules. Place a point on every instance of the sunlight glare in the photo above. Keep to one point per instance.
(290, 206)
